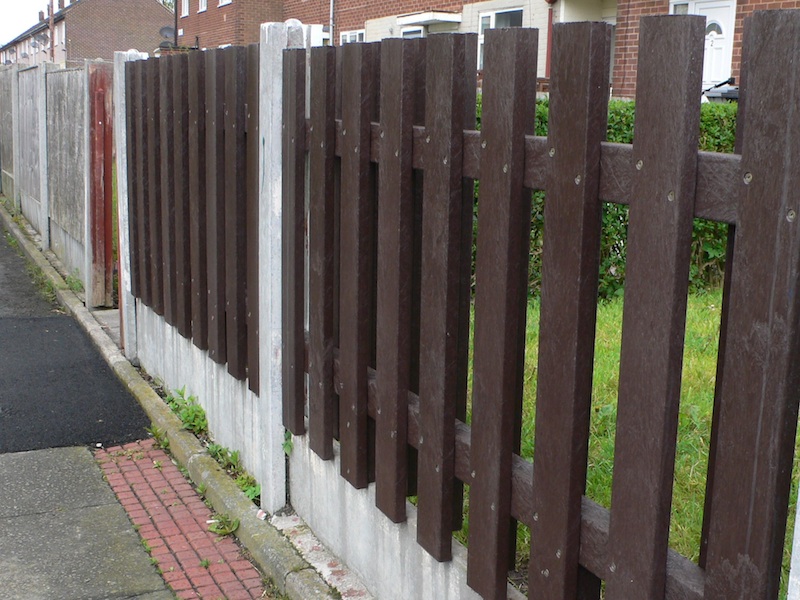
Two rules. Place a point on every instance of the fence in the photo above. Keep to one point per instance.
(392, 154)
(55, 150)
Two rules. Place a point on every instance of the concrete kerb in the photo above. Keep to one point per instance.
(271, 551)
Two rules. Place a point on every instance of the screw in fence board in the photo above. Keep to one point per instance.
(133, 174)
(758, 402)
(235, 58)
(509, 101)
(322, 162)
(153, 225)
(167, 221)
(180, 108)
(293, 239)
(143, 183)
(196, 99)
(654, 314)
(441, 388)
(253, 223)
(215, 205)
(357, 238)
(570, 263)
(399, 68)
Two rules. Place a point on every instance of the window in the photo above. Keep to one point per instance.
(224, 2)
(202, 6)
(351, 37)
(410, 33)
(496, 20)
(184, 8)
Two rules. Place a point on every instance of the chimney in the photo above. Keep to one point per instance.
(41, 16)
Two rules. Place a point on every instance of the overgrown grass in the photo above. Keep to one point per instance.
(694, 421)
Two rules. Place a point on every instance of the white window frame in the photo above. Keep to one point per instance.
(492, 14)
(346, 37)
(184, 8)
(420, 29)
(202, 6)
(224, 2)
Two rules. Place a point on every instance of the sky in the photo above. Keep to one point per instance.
(17, 16)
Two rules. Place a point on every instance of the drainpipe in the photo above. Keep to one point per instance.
(549, 36)
(333, 41)
(52, 32)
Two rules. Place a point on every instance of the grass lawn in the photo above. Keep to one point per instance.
(694, 426)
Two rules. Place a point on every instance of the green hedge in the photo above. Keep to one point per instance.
(717, 134)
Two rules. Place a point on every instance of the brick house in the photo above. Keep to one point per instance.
(213, 23)
(89, 29)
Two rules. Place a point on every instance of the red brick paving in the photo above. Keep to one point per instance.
(171, 519)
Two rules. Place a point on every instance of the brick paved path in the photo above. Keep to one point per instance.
(172, 521)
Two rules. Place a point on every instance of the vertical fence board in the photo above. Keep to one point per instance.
(654, 314)
(356, 257)
(500, 299)
(235, 211)
(153, 223)
(196, 86)
(293, 239)
(442, 250)
(132, 93)
(215, 204)
(322, 148)
(758, 402)
(252, 210)
(143, 186)
(399, 61)
(167, 222)
(570, 263)
(180, 107)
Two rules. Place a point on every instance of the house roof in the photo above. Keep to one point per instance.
(39, 27)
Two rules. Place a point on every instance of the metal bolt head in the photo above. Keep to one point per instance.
(613, 568)
(483, 143)
(791, 216)
(344, 131)
(558, 553)
(577, 180)
(428, 140)
(671, 196)
(383, 134)
(535, 516)
(748, 177)
(639, 165)
(505, 168)
(546, 572)
(444, 160)
(552, 152)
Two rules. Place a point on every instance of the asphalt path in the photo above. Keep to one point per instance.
(55, 388)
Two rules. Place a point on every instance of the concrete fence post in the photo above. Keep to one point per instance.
(127, 304)
(15, 136)
(44, 194)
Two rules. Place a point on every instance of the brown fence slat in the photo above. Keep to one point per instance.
(292, 240)
(180, 108)
(441, 389)
(196, 86)
(501, 294)
(143, 187)
(356, 256)
(132, 105)
(758, 400)
(252, 199)
(654, 314)
(154, 252)
(215, 204)
(400, 62)
(322, 145)
(167, 221)
(570, 264)
(235, 211)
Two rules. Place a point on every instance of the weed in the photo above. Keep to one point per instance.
(159, 435)
(189, 411)
(147, 547)
(223, 524)
(42, 283)
(202, 488)
(248, 485)
(205, 563)
(157, 464)
(288, 443)
(73, 281)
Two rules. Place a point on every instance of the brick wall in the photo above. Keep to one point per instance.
(744, 8)
(627, 41)
(98, 28)
(237, 23)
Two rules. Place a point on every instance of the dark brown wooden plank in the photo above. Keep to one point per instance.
(442, 245)
(196, 86)
(501, 293)
(143, 190)
(654, 314)
(322, 144)
(167, 221)
(253, 138)
(356, 257)
(570, 263)
(154, 251)
(235, 211)
(400, 61)
(293, 240)
(180, 108)
(131, 107)
(758, 402)
(215, 204)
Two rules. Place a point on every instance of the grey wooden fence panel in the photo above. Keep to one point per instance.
(27, 171)
(6, 139)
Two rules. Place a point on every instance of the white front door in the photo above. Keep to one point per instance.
(720, 15)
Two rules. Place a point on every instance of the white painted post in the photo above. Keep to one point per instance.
(127, 302)
(88, 283)
(275, 38)
(44, 189)
(15, 135)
